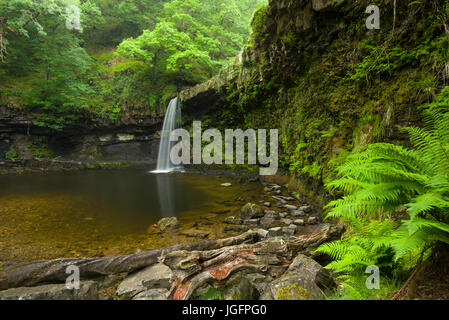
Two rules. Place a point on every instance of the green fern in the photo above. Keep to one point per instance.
(388, 182)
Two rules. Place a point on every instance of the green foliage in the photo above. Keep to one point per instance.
(41, 151)
(12, 155)
(387, 182)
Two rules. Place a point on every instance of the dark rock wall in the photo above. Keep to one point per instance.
(134, 138)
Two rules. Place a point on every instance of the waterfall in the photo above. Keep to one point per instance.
(171, 122)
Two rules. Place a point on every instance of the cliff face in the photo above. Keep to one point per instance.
(313, 70)
(130, 138)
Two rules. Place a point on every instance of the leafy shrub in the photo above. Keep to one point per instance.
(12, 155)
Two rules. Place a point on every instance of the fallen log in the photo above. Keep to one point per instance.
(193, 269)
(13, 275)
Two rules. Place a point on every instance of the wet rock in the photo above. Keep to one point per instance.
(197, 235)
(226, 185)
(157, 276)
(166, 223)
(153, 294)
(251, 211)
(262, 233)
(236, 228)
(286, 221)
(281, 201)
(290, 207)
(251, 222)
(290, 230)
(267, 204)
(312, 220)
(299, 222)
(272, 214)
(283, 214)
(267, 221)
(306, 209)
(233, 220)
(88, 291)
(275, 232)
(297, 213)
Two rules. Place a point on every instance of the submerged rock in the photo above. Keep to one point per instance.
(88, 291)
(226, 185)
(233, 220)
(251, 211)
(166, 223)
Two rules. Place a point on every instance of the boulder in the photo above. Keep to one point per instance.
(305, 279)
(88, 291)
(157, 276)
(166, 223)
(251, 211)
(299, 222)
(305, 265)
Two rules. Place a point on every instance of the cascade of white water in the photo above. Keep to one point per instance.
(171, 122)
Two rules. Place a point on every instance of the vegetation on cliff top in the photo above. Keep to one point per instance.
(59, 74)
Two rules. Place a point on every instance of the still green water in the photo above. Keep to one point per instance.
(108, 213)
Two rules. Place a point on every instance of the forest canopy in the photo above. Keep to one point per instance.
(122, 55)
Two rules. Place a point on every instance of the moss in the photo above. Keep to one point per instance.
(293, 292)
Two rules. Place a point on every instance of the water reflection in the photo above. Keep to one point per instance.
(166, 193)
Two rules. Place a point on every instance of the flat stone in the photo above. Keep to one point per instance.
(251, 222)
(306, 209)
(283, 214)
(312, 220)
(286, 221)
(153, 294)
(88, 291)
(157, 276)
(299, 222)
(226, 185)
(262, 233)
(297, 213)
(290, 230)
(290, 207)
